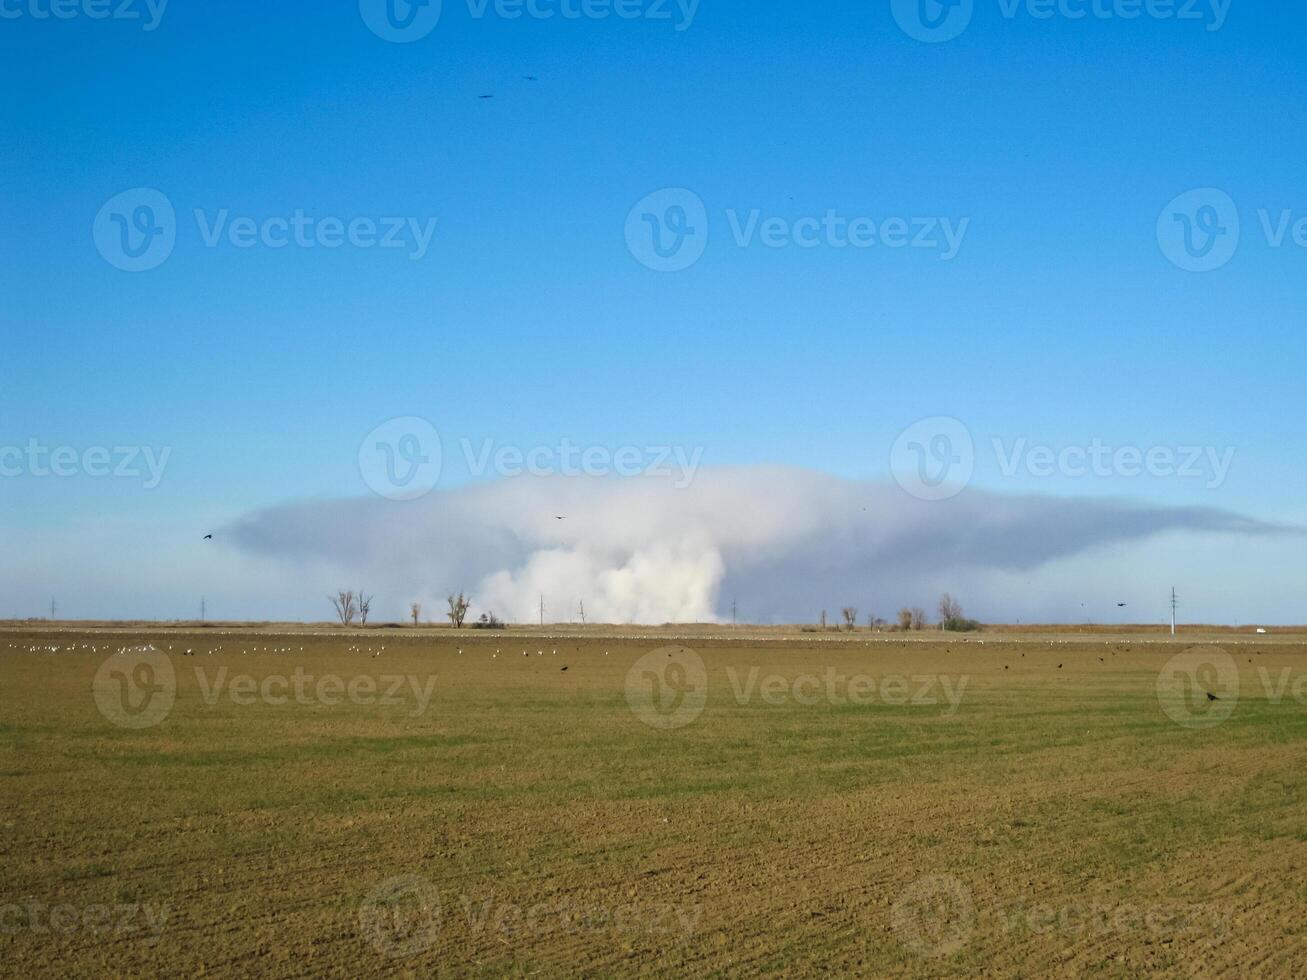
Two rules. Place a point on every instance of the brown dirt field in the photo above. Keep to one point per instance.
(912, 806)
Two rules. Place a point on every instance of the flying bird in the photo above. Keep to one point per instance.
(1212, 697)
(485, 96)
(529, 78)
(557, 518)
(1120, 605)
(208, 537)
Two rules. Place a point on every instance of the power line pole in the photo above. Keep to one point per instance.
(1174, 602)
(203, 609)
(582, 612)
(732, 613)
(53, 608)
(542, 609)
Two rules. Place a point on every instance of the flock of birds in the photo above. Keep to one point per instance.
(378, 650)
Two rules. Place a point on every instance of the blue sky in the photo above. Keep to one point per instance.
(1059, 321)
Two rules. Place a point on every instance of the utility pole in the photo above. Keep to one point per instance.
(582, 612)
(733, 620)
(203, 609)
(1174, 602)
(53, 608)
(542, 609)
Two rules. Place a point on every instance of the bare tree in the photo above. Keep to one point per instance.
(458, 610)
(365, 605)
(850, 614)
(918, 618)
(905, 618)
(346, 606)
(415, 610)
(949, 609)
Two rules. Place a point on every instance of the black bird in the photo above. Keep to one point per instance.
(1059, 666)
(1120, 605)
(564, 668)
(208, 537)
(485, 96)
(529, 78)
(557, 518)
(1212, 697)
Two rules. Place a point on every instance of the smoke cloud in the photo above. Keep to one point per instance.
(641, 550)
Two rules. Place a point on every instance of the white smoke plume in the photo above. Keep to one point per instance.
(641, 550)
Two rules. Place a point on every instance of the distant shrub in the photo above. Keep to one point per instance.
(488, 621)
(959, 624)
